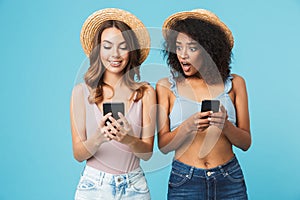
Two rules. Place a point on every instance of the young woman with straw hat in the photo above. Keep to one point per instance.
(198, 50)
(116, 43)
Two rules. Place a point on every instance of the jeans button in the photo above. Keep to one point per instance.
(208, 173)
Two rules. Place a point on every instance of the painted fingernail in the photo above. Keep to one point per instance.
(209, 119)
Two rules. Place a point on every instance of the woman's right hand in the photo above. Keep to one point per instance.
(198, 121)
(103, 130)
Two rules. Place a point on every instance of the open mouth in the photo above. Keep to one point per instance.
(186, 66)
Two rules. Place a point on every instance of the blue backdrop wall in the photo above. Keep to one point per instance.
(41, 58)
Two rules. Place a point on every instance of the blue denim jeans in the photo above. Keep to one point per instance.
(98, 185)
(224, 182)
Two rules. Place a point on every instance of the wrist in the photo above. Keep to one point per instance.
(226, 126)
(98, 138)
(185, 127)
(133, 141)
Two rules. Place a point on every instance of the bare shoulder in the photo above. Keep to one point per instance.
(238, 85)
(77, 90)
(238, 81)
(163, 89)
(164, 82)
(149, 90)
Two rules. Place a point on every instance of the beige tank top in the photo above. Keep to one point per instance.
(113, 157)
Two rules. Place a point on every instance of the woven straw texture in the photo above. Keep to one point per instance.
(94, 21)
(197, 14)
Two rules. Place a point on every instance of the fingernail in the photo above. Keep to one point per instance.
(209, 119)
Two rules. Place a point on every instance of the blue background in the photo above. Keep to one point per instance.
(41, 56)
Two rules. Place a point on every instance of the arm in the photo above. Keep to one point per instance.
(83, 149)
(172, 140)
(144, 147)
(239, 135)
(141, 147)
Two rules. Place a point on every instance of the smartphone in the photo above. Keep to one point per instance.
(114, 108)
(210, 105)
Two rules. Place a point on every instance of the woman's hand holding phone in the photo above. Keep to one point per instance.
(102, 129)
(219, 118)
(197, 122)
(120, 130)
(210, 114)
(117, 126)
(218, 114)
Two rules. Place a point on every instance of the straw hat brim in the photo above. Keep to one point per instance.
(197, 14)
(94, 21)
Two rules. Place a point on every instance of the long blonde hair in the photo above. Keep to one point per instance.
(94, 75)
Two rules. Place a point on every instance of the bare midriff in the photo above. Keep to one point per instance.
(215, 155)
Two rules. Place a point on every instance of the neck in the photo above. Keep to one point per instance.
(113, 79)
(195, 79)
(214, 89)
(195, 82)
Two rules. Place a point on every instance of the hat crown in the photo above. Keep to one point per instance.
(95, 20)
(200, 14)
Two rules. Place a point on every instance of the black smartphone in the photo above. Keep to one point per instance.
(210, 105)
(114, 108)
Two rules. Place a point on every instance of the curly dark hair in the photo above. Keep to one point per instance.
(210, 37)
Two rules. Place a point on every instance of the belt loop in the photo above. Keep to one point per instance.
(83, 170)
(102, 174)
(222, 170)
(191, 172)
(127, 179)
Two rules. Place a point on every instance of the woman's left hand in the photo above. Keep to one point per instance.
(120, 130)
(219, 119)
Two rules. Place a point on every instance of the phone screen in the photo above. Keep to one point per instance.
(114, 108)
(210, 105)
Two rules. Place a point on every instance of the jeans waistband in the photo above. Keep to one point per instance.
(232, 164)
(112, 178)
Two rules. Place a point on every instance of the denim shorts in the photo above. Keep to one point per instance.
(95, 184)
(224, 182)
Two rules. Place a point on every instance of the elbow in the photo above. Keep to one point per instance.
(147, 156)
(144, 156)
(247, 146)
(164, 149)
(78, 158)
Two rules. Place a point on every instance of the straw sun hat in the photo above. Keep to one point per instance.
(197, 14)
(95, 20)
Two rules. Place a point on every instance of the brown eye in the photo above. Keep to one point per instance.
(178, 48)
(193, 49)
